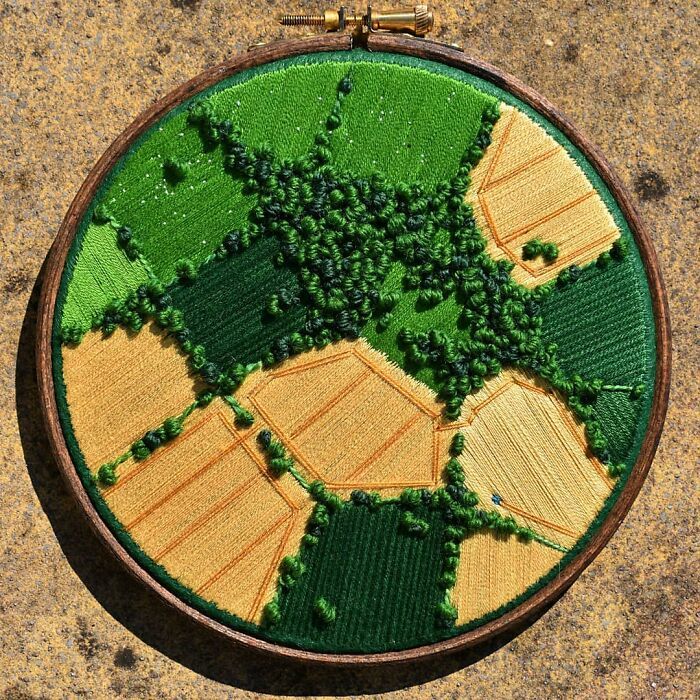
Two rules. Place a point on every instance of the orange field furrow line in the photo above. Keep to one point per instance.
(499, 150)
(535, 518)
(486, 211)
(474, 412)
(289, 444)
(262, 467)
(395, 385)
(152, 459)
(385, 446)
(160, 502)
(204, 518)
(309, 365)
(531, 387)
(548, 217)
(436, 456)
(491, 184)
(562, 260)
(332, 403)
(247, 549)
(271, 571)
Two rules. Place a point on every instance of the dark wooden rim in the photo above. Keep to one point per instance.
(431, 51)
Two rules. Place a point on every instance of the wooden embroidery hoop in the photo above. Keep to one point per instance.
(428, 50)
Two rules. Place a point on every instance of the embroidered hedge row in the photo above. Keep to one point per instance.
(455, 503)
(341, 235)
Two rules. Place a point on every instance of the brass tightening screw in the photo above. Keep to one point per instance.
(325, 20)
(418, 21)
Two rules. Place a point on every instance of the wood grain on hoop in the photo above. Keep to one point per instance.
(430, 51)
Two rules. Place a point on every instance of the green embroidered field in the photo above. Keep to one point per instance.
(370, 391)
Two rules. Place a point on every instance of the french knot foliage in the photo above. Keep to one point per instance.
(342, 235)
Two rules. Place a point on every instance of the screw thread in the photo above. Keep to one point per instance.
(303, 20)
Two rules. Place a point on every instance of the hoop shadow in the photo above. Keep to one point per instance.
(160, 626)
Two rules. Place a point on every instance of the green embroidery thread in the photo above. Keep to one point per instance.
(387, 306)
(175, 170)
(341, 261)
(142, 448)
(535, 248)
(456, 505)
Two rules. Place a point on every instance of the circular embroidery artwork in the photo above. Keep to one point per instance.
(353, 352)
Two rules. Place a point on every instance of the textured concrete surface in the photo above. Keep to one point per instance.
(72, 624)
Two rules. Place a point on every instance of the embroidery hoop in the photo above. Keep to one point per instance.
(428, 50)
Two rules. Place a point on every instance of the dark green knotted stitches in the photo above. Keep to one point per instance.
(402, 264)
(342, 234)
(225, 307)
(322, 201)
(327, 255)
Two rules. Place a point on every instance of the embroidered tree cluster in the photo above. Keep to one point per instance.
(342, 235)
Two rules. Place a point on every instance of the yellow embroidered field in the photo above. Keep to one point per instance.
(526, 186)
(206, 507)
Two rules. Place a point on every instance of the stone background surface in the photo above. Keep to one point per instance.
(72, 623)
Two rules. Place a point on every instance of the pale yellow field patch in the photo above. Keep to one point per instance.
(524, 447)
(527, 186)
(493, 571)
(207, 508)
